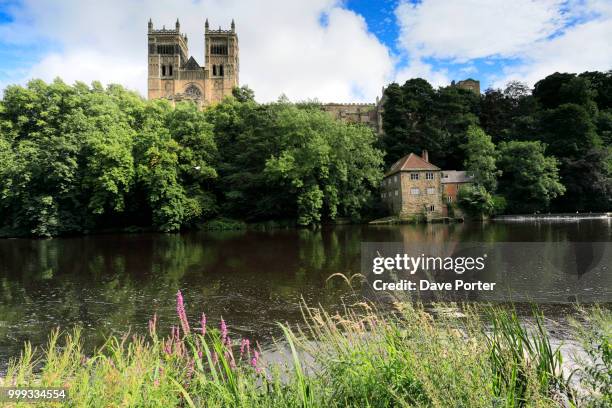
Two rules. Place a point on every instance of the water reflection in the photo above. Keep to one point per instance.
(109, 283)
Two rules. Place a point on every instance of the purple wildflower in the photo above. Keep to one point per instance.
(203, 324)
(245, 346)
(180, 310)
(223, 331)
(255, 360)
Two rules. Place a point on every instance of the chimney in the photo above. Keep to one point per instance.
(425, 155)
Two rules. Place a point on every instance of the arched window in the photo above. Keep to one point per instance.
(221, 70)
(163, 70)
(214, 70)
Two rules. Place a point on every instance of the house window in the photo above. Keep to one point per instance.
(449, 199)
(432, 208)
(415, 191)
(431, 190)
(396, 178)
(414, 176)
(396, 193)
(221, 70)
(169, 70)
(429, 176)
(163, 70)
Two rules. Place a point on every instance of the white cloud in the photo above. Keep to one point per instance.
(538, 37)
(469, 29)
(283, 47)
(584, 47)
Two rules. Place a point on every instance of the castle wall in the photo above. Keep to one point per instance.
(358, 113)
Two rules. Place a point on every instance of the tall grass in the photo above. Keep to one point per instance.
(362, 357)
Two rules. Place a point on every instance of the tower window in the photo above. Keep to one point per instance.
(221, 70)
(170, 70)
(214, 70)
(163, 70)
(218, 49)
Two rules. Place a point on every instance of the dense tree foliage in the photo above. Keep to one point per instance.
(529, 178)
(417, 117)
(569, 115)
(82, 158)
(480, 158)
(78, 158)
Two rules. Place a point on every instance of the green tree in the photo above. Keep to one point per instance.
(530, 179)
(243, 94)
(329, 166)
(416, 117)
(480, 158)
(475, 200)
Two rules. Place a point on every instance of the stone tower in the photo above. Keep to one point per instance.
(175, 76)
(221, 60)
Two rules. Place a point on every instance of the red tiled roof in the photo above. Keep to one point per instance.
(410, 162)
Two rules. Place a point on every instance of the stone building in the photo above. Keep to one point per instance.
(412, 186)
(469, 84)
(369, 114)
(174, 75)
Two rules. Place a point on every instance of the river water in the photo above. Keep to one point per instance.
(254, 279)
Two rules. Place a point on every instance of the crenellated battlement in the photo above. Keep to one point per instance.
(364, 104)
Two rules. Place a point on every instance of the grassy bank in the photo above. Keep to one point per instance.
(481, 358)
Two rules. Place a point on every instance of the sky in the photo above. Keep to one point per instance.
(328, 50)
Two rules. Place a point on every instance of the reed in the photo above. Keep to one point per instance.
(363, 357)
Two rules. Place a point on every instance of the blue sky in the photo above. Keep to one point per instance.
(331, 50)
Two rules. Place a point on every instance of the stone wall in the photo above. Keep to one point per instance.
(363, 113)
(397, 195)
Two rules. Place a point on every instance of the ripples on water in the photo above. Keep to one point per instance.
(112, 283)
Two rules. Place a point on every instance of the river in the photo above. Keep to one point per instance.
(114, 283)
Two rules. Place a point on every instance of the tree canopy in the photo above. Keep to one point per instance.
(81, 158)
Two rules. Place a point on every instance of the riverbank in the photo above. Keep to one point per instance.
(481, 357)
(417, 219)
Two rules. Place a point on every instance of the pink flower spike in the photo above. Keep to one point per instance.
(223, 331)
(245, 347)
(180, 310)
(255, 359)
(203, 324)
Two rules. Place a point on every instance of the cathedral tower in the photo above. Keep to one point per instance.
(167, 53)
(221, 60)
(175, 76)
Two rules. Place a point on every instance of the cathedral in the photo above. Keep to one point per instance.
(174, 75)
